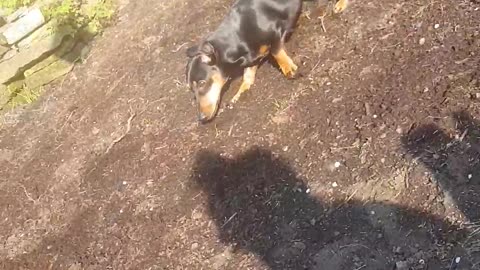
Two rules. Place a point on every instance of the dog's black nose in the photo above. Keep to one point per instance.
(201, 117)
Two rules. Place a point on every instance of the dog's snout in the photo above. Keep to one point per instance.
(201, 117)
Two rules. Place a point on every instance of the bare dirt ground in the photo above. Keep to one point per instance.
(370, 160)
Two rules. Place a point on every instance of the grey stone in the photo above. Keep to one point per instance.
(11, 67)
(3, 50)
(15, 31)
(50, 28)
(55, 70)
(4, 95)
(401, 265)
(66, 46)
(17, 14)
(11, 53)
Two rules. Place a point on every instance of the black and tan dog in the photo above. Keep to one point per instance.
(252, 30)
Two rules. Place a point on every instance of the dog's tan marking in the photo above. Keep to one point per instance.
(248, 80)
(209, 102)
(264, 50)
(340, 6)
(285, 63)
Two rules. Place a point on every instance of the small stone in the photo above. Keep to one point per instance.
(421, 41)
(285, 149)
(436, 26)
(281, 118)
(402, 265)
(379, 236)
(197, 215)
(399, 130)
(477, 95)
(299, 245)
(336, 233)
(195, 246)
(382, 160)
(337, 164)
(375, 116)
(334, 184)
(124, 183)
(307, 191)
(336, 100)
(470, 176)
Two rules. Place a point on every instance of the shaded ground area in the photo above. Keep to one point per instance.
(368, 161)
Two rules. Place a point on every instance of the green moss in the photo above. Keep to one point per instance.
(12, 5)
(80, 16)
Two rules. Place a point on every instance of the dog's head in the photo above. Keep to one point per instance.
(205, 79)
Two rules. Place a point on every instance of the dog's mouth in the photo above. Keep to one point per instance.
(208, 103)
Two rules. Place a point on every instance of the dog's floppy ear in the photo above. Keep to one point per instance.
(192, 51)
(207, 51)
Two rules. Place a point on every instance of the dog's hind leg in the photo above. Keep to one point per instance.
(248, 80)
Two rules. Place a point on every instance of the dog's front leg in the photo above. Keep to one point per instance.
(248, 80)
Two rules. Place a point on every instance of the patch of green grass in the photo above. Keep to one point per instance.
(80, 16)
(12, 5)
(280, 105)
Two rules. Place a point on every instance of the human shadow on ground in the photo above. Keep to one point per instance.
(260, 206)
(453, 159)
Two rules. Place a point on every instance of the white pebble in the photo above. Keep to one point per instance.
(375, 116)
(457, 260)
(334, 184)
(470, 176)
(285, 149)
(337, 164)
(307, 191)
(436, 26)
(124, 182)
(421, 41)
(121, 211)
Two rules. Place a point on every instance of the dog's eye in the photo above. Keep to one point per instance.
(202, 83)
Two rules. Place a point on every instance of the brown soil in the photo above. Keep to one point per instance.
(370, 160)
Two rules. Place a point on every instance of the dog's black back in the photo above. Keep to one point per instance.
(252, 24)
